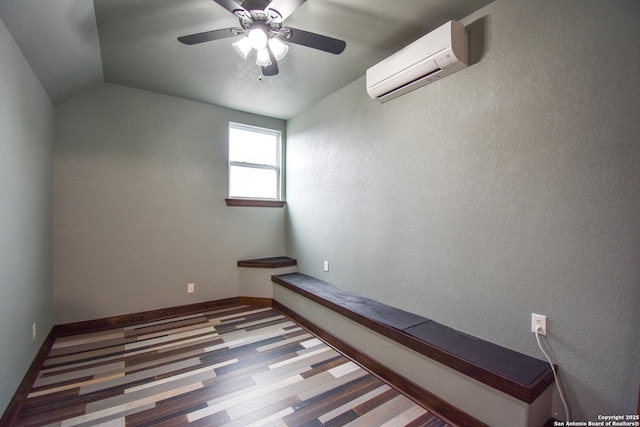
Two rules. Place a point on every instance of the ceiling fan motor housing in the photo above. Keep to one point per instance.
(270, 18)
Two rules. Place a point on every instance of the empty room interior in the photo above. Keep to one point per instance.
(460, 208)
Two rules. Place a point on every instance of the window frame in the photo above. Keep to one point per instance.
(278, 201)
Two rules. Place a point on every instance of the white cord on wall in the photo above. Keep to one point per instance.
(555, 376)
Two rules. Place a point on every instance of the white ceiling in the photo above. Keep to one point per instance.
(74, 44)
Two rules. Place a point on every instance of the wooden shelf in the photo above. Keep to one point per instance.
(273, 262)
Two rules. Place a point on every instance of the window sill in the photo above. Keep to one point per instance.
(256, 203)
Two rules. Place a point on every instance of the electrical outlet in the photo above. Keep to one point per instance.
(326, 266)
(538, 320)
(34, 331)
(191, 288)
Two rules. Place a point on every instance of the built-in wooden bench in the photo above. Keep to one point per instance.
(514, 374)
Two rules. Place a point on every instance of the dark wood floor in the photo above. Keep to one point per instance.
(238, 366)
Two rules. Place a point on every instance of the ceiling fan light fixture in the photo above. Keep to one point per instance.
(262, 58)
(278, 48)
(258, 38)
(243, 47)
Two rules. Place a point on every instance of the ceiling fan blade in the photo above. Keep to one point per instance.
(271, 70)
(230, 5)
(316, 41)
(252, 4)
(286, 7)
(207, 36)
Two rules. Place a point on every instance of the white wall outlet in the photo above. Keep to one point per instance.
(326, 266)
(34, 331)
(538, 320)
(191, 288)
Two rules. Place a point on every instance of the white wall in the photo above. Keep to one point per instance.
(139, 186)
(26, 141)
(508, 188)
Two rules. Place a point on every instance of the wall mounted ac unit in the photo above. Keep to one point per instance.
(433, 56)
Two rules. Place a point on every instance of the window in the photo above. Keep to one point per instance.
(254, 163)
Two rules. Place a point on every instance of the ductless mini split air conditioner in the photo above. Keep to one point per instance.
(430, 58)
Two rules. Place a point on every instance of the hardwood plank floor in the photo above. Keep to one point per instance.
(237, 366)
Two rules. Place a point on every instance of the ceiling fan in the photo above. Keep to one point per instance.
(261, 22)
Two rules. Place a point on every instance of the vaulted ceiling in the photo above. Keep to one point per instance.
(75, 44)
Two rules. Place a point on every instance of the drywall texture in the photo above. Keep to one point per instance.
(508, 188)
(139, 186)
(26, 143)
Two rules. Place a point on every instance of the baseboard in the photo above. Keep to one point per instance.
(407, 387)
(13, 409)
(264, 302)
(149, 316)
(415, 392)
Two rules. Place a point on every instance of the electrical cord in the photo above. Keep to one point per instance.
(555, 375)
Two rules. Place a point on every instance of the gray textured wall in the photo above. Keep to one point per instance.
(26, 142)
(139, 186)
(508, 188)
